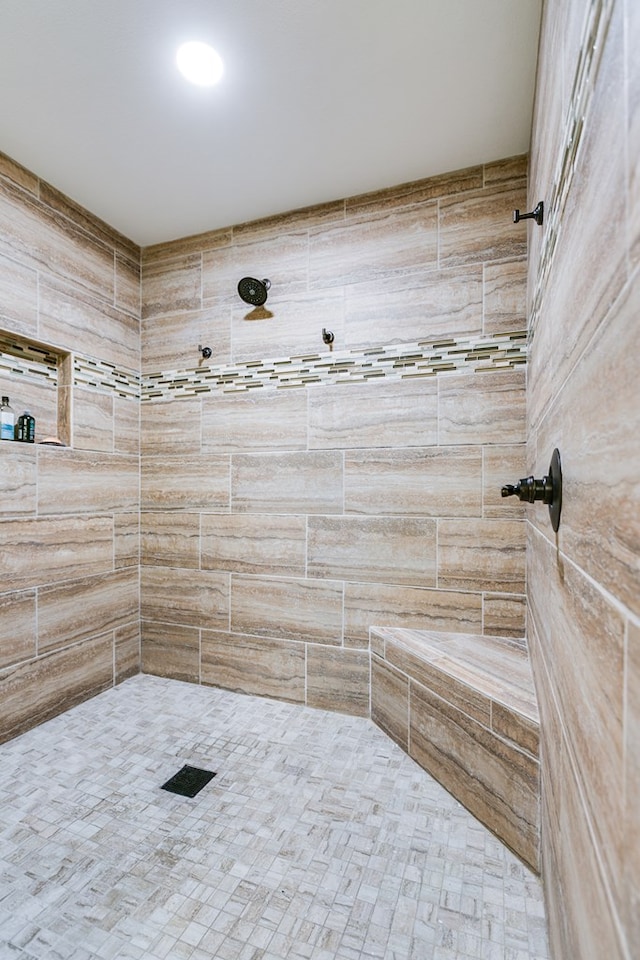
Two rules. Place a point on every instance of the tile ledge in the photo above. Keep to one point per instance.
(461, 656)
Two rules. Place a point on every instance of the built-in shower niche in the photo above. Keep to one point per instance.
(38, 377)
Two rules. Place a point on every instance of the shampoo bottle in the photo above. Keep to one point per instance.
(7, 420)
(26, 428)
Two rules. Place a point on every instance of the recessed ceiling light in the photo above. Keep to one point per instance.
(199, 63)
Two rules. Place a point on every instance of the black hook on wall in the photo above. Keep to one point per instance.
(537, 214)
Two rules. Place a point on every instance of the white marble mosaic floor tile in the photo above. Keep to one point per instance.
(318, 839)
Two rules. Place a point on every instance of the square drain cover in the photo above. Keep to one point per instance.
(189, 781)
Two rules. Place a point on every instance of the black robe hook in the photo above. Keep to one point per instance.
(536, 215)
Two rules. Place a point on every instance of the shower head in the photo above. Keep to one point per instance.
(253, 291)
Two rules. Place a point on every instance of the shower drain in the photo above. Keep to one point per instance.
(188, 781)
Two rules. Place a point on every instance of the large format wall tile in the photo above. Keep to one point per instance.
(73, 482)
(170, 428)
(17, 627)
(483, 408)
(242, 543)
(582, 398)
(71, 318)
(590, 264)
(287, 483)
(381, 549)
(186, 482)
(381, 245)
(431, 304)
(433, 482)
(501, 788)
(281, 258)
(505, 289)
(482, 555)
(195, 598)
(590, 930)
(126, 425)
(269, 668)
(502, 464)
(631, 878)
(504, 615)
(591, 424)
(39, 689)
(169, 650)
(128, 278)
(41, 238)
(127, 651)
(17, 479)
(389, 605)
(384, 414)
(171, 342)
(93, 423)
(478, 226)
(126, 539)
(290, 324)
(276, 420)
(78, 609)
(566, 606)
(36, 551)
(390, 701)
(18, 297)
(170, 539)
(88, 222)
(287, 609)
(633, 121)
(338, 679)
(172, 285)
(416, 191)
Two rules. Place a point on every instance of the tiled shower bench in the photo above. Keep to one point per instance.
(464, 707)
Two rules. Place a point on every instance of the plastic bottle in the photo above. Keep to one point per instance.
(7, 420)
(26, 428)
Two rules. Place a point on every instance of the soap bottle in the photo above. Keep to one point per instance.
(26, 428)
(7, 420)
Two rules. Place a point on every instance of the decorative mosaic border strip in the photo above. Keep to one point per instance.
(423, 358)
(28, 361)
(593, 41)
(399, 362)
(100, 375)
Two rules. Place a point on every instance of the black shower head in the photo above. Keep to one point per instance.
(253, 291)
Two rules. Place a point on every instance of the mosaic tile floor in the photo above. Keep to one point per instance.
(318, 839)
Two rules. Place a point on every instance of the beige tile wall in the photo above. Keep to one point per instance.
(274, 528)
(583, 396)
(278, 525)
(69, 518)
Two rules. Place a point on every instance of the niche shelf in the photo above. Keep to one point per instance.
(30, 365)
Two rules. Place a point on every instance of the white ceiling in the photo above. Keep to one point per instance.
(320, 99)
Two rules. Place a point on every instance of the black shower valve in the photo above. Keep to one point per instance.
(530, 490)
(548, 489)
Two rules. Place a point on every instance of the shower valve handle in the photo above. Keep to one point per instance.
(529, 490)
(549, 489)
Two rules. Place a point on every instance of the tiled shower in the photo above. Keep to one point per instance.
(242, 521)
(300, 495)
(289, 496)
